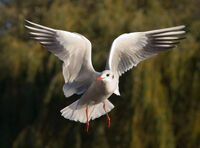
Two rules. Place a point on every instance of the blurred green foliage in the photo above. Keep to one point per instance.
(160, 98)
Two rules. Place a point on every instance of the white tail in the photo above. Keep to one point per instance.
(71, 112)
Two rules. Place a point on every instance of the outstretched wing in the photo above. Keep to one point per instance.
(75, 52)
(129, 49)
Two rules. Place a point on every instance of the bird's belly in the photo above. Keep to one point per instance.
(95, 94)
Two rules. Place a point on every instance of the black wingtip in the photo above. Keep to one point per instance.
(186, 29)
(27, 21)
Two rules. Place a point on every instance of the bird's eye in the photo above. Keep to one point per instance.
(107, 75)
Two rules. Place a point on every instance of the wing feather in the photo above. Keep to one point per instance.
(75, 52)
(131, 48)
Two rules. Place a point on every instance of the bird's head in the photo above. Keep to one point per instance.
(106, 75)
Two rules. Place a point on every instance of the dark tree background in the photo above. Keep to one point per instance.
(160, 98)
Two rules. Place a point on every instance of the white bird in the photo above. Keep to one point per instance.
(80, 77)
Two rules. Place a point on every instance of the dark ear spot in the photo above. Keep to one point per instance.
(113, 76)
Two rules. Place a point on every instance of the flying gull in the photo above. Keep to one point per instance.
(74, 50)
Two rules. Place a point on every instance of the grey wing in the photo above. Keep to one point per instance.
(129, 49)
(75, 52)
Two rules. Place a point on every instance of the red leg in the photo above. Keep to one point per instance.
(108, 118)
(87, 125)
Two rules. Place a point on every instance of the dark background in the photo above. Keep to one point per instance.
(159, 106)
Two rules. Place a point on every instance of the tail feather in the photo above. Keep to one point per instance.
(72, 112)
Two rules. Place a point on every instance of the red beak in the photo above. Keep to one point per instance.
(99, 78)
